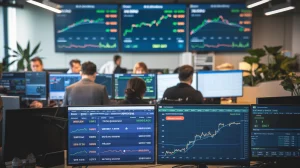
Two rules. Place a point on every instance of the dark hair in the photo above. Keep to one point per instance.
(37, 59)
(76, 61)
(176, 70)
(136, 87)
(88, 68)
(116, 58)
(185, 72)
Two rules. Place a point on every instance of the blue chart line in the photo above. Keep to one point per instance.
(200, 137)
(78, 153)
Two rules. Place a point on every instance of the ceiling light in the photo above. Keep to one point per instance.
(46, 5)
(254, 3)
(279, 8)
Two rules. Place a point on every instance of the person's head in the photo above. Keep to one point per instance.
(36, 64)
(117, 60)
(140, 68)
(75, 66)
(89, 70)
(136, 87)
(186, 74)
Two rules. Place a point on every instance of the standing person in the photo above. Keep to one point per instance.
(140, 68)
(135, 91)
(75, 66)
(86, 91)
(183, 92)
(110, 66)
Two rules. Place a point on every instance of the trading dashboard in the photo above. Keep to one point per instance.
(14, 83)
(165, 81)
(121, 84)
(111, 135)
(275, 132)
(155, 28)
(87, 28)
(207, 134)
(220, 27)
(59, 82)
(36, 86)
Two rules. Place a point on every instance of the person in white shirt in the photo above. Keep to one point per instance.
(110, 66)
(75, 66)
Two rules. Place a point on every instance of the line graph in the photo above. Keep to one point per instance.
(200, 137)
(100, 45)
(218, 20)
(79, 153)
(80, 23)
(84, 130)
(232, 45)
(154, 22)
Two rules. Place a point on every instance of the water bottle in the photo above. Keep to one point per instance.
(16, 163)
(31, 161)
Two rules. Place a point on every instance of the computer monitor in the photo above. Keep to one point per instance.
(111, 135)
(26, 131)
(211, 134)
(59, 82)
(275, 133)
(11, 102)
(121, 83)
(36, 86)
(165, 81)
(14, 83)
(213, 84)
(279, 100)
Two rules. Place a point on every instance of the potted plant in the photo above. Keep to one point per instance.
(291, 83)
(22, 57)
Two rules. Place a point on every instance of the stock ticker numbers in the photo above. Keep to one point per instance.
(111, 135)
(220, 27)
(147, 28)
(86, 28)
(207, 134)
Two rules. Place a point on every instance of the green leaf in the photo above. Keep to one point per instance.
(21, 65)
(257, 52)
(35, 50)
(12, 62)
(273, 50)
(28, 48)
(21, 51)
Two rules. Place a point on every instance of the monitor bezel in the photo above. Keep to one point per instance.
(220, 71)
(270, 159)
(120, 163)
(233, 162)
(118, 98)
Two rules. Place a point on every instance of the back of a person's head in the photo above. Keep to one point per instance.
(136, 87)
(186, 73)
(88, 68)
(116, 58)
(140, 68)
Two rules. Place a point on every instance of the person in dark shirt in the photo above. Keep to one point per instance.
(183, 93)
(135, 91)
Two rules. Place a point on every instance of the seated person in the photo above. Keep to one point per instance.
(75, 66)
(135, 91)
(140, 68)
(183, 93)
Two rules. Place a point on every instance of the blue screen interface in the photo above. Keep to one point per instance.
(275, 131)
(206, 134)
(14, 83)
(87, 28)
(121, 84)
(111, 135)
(220, 27)
(155, 28)
(36, 85)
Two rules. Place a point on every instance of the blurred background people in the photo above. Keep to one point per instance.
(135, 91)
(140, 68)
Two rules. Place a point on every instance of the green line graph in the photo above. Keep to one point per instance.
(81, 22)
(232, 45)
(81, 152)
(154, 22)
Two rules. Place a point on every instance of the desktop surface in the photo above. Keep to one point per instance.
(207, 134)
(213, 84)
(275, 132)
(121, 84)
(165, 81)
(111, 135)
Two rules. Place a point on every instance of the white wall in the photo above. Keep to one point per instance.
(1, 35)
(36, 24)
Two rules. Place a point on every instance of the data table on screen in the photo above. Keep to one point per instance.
(14, 83)
(87, 28)
(156, 28)
(207, 134)
(220, 27)
(111, 135)
(36, 86)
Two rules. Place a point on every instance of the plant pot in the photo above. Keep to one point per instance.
(265, 89)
